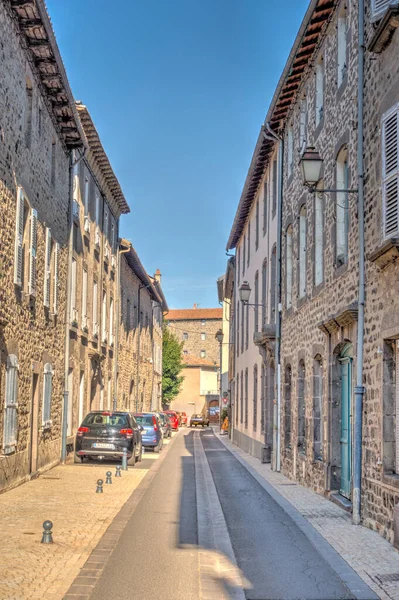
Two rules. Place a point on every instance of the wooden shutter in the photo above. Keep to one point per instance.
(32, 253)
(390, 170)
(19, 238)
(47, 269)
(10, 423)
(55, 295)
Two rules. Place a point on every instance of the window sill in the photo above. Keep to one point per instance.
(387, 253)
(7, 450)
(340, 269)
(385, 30)
(391, 479)
(47, 425)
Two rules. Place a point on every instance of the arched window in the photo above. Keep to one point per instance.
(287, 406)
(256, 314)
(273, 276)
(10, 413)
(301, 408)
(264, 291)
(319, 90)
(302, 253)
(342, 28)
(288, 267)
(255, 399)
(47, 393)
(342, 207)
(319, 236)
(317, 407)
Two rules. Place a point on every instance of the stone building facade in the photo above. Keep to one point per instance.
(39, 130)
(142, 305)
(196, 328)
(98, 202)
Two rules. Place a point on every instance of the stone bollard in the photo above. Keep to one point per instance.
(99, 489)
(118, 471)
(124, 460)
(109, 477)
(47, 537)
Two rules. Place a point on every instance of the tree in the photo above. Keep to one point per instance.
(172, 365)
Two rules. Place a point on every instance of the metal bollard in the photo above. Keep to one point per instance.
(99, 489)
(124, 460)
(47, 537)
(109, 477)
(118, 471)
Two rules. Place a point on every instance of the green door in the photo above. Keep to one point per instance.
(346, 387)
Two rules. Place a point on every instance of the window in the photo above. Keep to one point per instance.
(302, 253)
(203, 336)
(40, 121)
(342, 207)
(288, 267)
(105, 224)
(203, 322)
(242, 398)
(319, 237)
(390, 171)
(185, 336)
(246, 400)
(84, 299)
(273, 285)
(264, 290)
(256, 307)
(244, 245)
(238, 329)
(55, 280)
(47, 268)
(32, 253)
(113, 235)
(378, 8)
(303, 124)
(341, 45)
(238, 264)
(262, 397)
(301, 409)
(274, 187)
(242, 325)
(86, 196)
(319, 90)
(28, 113)
(290, 150)
(237, 397)
(104, 334)
(264, 207)
(53, 149)
(317, 407)
(255, 398)
(19, 239)
(185, 352)
(10, 413)
(287, 406)
(47, 393)
(390, 398)
(249, 243)
(257, 225)
(95, 300)
(203, 353)
(111, 320)
(97, 209)
(247, 327)
(74, 314)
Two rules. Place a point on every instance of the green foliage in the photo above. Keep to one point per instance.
(172, 365)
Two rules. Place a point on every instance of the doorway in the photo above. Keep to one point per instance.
(346, 438)
(34, 435)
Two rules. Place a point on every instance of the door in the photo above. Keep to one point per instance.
(34, 430)
(345, 440)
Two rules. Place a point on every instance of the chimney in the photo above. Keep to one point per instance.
(195, 306)
(158, 276)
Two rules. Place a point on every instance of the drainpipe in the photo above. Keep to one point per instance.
(117, 318)
(359, 389)
(64, 431)
(277, 405)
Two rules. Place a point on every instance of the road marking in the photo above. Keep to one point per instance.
(220, 577)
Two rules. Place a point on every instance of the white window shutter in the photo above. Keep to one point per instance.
(390, 170)
(55, 295)
(73, 290)
(32, 253)
(19, 238)
(47, 269)
(10, 415)
(47, 393)
(397, 408)
(378, 7)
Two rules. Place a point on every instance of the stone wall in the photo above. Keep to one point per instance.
(194, 344)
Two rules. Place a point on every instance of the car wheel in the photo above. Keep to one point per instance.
(132, 460)
(157, 448)
(77, 459)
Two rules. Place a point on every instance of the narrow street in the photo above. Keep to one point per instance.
(205, 528)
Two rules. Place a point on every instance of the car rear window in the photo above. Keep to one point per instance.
(106, 419)
(144, 419)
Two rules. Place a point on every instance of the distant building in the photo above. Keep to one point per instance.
(199, 391)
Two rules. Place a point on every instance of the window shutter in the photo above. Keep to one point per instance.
(32, 253)
(84, 295)
(47, 269)
(73, 289)
(47, 392)
(378, 7)
(19, 238)
(55, 296)
(10, 418)
(390, 169)
(106, 220)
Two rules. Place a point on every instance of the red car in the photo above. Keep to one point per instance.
(173, 418)
(183, 418)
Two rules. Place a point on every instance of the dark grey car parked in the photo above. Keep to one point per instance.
(165, 424)
(104, 434)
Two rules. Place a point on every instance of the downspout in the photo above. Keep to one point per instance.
(277, 405)
(359, 389)
(64, 431)
(118, 320)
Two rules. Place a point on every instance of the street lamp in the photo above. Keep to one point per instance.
(310, 164)
(244, 291)
(219, 338)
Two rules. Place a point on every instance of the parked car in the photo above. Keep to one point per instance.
(165, 425)
(152, 436)
(199, 420)
(183, 416)
(178, 415)
(174, 421)
(104, 434)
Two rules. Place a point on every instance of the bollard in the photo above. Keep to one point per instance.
(109, 477)
(47, 537)
(118, 471)
(124, 460)
(99, 489)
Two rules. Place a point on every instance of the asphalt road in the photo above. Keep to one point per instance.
(157, 554)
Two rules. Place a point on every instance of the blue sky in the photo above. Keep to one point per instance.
(178, 90)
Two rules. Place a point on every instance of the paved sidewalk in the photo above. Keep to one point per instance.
(370, 555)
(65, 495)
